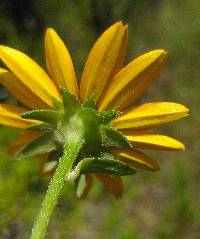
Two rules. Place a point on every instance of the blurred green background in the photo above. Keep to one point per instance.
(157, 205)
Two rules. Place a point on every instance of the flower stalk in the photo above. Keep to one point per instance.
(65, 165)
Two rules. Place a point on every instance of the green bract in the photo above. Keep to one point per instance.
(70, 120)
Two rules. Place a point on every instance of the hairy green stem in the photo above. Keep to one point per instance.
(65, 165)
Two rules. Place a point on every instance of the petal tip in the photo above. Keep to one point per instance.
(183, 109)
(159, 53)
(125, 28)
(155, 166)
(48, 33)
(118, 24)
(49, 30)
(187, 110)
(183, 148)
(180, 146)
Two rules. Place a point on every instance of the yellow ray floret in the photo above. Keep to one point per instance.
(137, 159)
(113, 184)
(146, 140)
(22, 141)
(20, 91)
(10, 116)
(59, 62)
(131, 82)
(30, 74)
(105, 60)
(150, 115)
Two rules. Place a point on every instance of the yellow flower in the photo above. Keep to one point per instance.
(115, 86)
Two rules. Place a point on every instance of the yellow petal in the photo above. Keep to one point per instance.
(105, 60)
(30, 74)
(114, 184)
(22, 141)
(131, 82)
(137, 159)
(150, 115)
(10, 116)
(20, 91)
(146, 140)
(59, 62)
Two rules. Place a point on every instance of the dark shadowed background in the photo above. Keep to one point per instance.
(157, 205)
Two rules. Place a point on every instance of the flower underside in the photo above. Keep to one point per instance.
(111, 141)
(69, 120)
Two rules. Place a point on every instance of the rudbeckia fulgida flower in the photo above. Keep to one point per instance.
(102, 109)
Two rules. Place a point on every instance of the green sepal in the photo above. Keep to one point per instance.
(57, 105)
(80, 184)
(43, 144)
(40, 127)
(90, 102)
(108, 116)
(105, 166)
(91, 132)
(107, 154)
(71, 104)
(113, 137)
(49, 116)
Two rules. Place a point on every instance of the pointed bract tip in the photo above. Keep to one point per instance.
(125, 28)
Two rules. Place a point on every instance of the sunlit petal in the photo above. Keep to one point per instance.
(137, 159)
(59, 62)
(20, 91)
(150, 115)
(132, 81)
(10, 116)
(105, 60)
(146, 140)
(30, 74)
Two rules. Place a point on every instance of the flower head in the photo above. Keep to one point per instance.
(102, 111)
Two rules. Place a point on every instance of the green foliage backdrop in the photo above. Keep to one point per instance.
(157, 205)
